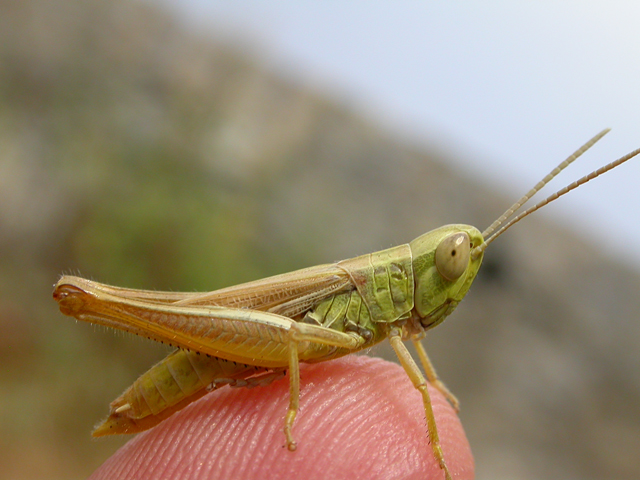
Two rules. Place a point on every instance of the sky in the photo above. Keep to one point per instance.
(510, 88)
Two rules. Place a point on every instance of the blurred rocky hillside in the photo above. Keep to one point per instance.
(139, 154)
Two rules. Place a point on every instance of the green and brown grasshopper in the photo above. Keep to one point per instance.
(252, 333)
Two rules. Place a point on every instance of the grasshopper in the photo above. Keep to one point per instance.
(251, 334)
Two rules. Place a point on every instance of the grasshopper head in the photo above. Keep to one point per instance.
(444, 266)
(446, 260)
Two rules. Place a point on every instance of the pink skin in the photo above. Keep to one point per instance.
(359, 417)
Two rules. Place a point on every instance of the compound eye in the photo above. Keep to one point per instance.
(452, 256)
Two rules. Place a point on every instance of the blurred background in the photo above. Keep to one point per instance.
(195, 145)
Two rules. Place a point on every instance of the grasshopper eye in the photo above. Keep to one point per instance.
(452, 256)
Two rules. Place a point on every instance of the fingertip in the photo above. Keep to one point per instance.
(359, 417)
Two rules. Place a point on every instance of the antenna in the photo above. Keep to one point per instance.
(495, 229)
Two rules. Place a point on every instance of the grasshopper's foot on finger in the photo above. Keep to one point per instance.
(447, 475)
(443, 467)
(437, 452)
(291, 443)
